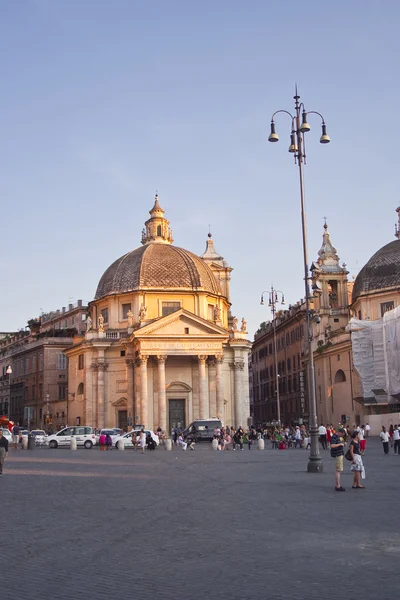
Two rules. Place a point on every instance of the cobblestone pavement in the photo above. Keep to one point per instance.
(180, 525)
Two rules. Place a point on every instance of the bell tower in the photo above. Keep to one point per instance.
(157, 229)
(329, 280)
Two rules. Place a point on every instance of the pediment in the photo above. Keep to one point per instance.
(177, 324)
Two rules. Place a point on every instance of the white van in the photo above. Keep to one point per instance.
(84, 437)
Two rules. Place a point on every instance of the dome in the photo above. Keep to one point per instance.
(381, 271)
(157, 266)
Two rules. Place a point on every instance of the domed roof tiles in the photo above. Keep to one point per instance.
(381, 271)
(157, 265)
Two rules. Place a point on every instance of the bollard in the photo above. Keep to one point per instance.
(168, 444)
(261, 444)
(73, 443)
(25, 442)
(121, 445)
(31, 442)
(214, 445)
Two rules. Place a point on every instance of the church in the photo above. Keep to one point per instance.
(161, 347)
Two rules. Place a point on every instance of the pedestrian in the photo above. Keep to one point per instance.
(357, 466)
(396, 440)
(181, 442)
(298, 438)
(102, 441)
(134, 440)
(367, 429)
(322, 436)
(108, 441)
(385, 439)
(329, 431)
(391, 436)
(337, 452)
(3, 451)
(363, 441)
(15, 431)
(142, 440)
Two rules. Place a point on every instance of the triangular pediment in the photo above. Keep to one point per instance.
(181, 323)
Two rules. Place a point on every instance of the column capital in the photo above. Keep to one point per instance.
(102, 366)
(202, 358)
(94, 365)
(161, 358)
(219, 358)
(129, 362)
(143, 358)
(238, 365)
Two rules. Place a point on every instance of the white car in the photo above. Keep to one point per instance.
(113, 434)
(84, 437)
(7, 435)
(127, 437)
(40, 436)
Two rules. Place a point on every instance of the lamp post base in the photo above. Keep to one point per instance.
(315, 465)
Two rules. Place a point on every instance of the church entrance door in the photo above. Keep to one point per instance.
(123, 419)
(176, 413)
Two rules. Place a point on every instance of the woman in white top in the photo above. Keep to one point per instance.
(385, 440)
(142, 440)
(181, 442)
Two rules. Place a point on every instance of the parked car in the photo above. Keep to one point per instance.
(40, 436)
(202, 429)
(114, 435)
(7, 434)
(84, 437)
(127, 437)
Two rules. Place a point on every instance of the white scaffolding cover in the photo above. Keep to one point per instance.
(376, 353)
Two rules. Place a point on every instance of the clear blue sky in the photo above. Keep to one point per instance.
(104, 102)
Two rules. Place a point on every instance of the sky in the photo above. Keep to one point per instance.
(103, 103)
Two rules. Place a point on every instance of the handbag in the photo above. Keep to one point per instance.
(348, 455)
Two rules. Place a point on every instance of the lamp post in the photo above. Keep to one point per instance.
(273, 299)
(300, 127)
(9, 373)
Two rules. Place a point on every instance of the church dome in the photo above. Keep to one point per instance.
(381, 271)
(158, 264)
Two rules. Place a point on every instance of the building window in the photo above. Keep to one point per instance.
(33, 364)
(104, 313)
(73, 320)
(26, 366)
(340, 377)
(186, 330)
(66, 323)
(33, 393)
(210, 310)
(125, 309)
(385, 306)
(122, 353)
(40, 362)
(62, 392)
(40, 391)
(159, 230)
(170, 307)
(80, 389)
(338, 357)
(61, 362)
(81, 362)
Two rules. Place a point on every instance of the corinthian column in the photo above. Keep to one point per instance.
(102, 410)
(238, 368)
(162, 395)
(95, 396)
(131, 383)
(220, 388)
(203, 413)
(143, 358)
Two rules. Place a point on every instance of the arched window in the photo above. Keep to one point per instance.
(80, 389)
(340, 376)
(159, 230)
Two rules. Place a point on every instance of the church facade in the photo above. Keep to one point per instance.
(161, 347)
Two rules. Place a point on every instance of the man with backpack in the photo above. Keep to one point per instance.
(337, 452)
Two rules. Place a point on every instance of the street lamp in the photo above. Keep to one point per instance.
(273, 299)
(9, 373)
(300, 127)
